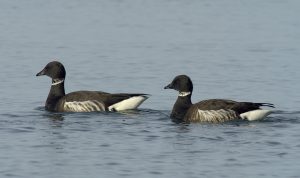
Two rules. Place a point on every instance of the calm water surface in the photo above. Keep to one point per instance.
(242, 50)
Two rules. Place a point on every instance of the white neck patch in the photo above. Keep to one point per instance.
(57, 81)
(184, 93)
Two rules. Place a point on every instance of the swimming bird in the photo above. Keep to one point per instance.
(84, 101)
(212, 110)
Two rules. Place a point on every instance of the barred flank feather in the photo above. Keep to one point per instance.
(213, 116)
(84, 106)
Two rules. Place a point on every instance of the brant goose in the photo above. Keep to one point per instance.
(84, 101)
(213, 110)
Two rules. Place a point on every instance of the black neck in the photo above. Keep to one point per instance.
(57, 91)
(181, 106)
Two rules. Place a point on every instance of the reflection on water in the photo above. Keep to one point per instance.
(54, 117)
(108, 143)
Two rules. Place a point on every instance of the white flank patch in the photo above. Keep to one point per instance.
(84, 106)
(130, 103)
(255, 114)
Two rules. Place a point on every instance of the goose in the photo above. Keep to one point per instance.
(84, 101)
(211, 110)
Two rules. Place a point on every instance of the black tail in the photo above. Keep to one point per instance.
(266, 104)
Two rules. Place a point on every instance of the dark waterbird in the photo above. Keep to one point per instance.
(84, 101)
(213, 110)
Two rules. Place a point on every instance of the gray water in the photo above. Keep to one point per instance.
(236, 49)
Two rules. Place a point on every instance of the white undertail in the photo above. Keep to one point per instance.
(254, 115)
(130, 103)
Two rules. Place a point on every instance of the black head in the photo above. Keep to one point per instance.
(181, 83)
(54, 70)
